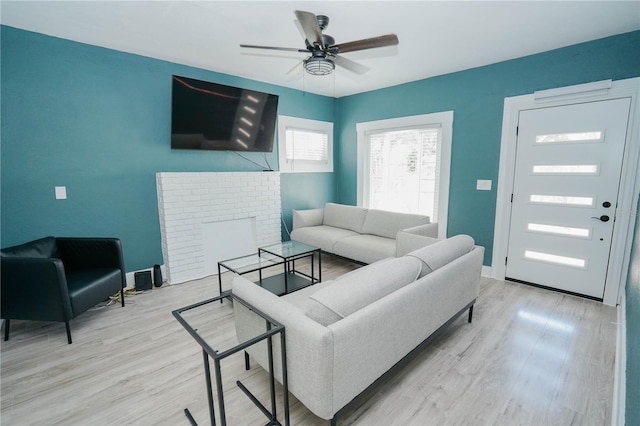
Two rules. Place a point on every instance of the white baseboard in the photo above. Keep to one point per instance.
(486, 271)
(620, 367)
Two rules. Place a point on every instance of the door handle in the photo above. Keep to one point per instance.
(603, 218)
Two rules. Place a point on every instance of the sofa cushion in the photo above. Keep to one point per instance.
(387, 224)
(439, 254)
(365, 248)
(343, 216)
(324, 237)
(357, 290)
(44, 248)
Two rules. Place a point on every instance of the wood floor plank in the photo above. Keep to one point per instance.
(530, 356)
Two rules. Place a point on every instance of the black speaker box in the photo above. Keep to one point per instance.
(157, 276)
(143, 280)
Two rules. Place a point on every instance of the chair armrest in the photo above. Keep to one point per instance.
(91, 253)
(34, 289)
(311, 217)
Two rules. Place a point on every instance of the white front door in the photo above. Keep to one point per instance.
(567, 176)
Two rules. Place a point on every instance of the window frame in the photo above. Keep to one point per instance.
(304, 166)
(442, 119)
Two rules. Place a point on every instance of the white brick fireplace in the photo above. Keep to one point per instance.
(206, 217)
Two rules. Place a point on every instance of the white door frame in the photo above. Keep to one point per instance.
(625, 212)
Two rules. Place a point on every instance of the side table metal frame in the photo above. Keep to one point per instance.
(273, 328)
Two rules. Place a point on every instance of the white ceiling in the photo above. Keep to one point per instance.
(436, 37)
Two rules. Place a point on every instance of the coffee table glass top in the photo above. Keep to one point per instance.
(288, 249)
(250, 263)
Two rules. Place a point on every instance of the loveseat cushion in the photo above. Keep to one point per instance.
(357, 290)
(343, 216)
(44, 248)
(387, 224)
(365, 248)
(439, 254)
(324, 237)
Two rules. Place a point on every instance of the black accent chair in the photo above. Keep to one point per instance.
(57, 279)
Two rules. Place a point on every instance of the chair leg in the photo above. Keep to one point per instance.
(66, 323)
(470, 313)
(122, 296)
(6, 330)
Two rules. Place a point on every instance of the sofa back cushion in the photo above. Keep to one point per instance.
(44, 248)
(360, 288)
(387, 224)
(343, 216)
(439, 254)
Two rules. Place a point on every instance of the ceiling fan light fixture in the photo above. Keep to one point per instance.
(319, 66)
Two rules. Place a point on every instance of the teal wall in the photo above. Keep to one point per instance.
(476, 97)
(98, 122)
(632, 402)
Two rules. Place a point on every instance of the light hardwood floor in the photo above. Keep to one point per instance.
(531, 356)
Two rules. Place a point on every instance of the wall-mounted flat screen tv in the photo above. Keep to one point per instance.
(213, 116)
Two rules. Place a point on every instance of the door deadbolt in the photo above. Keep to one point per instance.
(603, 218)
(606, 204)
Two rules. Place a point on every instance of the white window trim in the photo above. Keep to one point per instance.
(287, 166)
(442, 119)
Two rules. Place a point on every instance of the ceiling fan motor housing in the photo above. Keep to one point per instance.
(323, 21)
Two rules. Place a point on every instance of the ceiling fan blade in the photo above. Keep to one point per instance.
(350, 65)
(286, 49)
(367, 43)
(301, 30)
(309, 25)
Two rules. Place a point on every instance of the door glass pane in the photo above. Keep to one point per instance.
(561, 199)
(559, 230)
(574, 169)
(553, 258)
(570, 137)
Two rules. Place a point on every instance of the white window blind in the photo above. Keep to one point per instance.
(306, 145)
(404, 169)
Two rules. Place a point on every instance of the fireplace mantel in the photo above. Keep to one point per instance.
(188, 200)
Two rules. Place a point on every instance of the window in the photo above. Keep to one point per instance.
(403, 165)
(305, 145)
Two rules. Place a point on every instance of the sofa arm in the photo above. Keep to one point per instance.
(304, 218)
(426, 230)
(34, 289)
(407, 242)
(91, 253)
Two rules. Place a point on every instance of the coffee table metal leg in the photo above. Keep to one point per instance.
(219, 280)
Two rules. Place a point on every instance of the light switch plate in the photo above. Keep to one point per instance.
(483, 185)
(61, 192)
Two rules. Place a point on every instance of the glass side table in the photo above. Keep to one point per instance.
(285, 253)
(212, 326)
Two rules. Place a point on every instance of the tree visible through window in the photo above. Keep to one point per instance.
(403, 170)
(403, 165)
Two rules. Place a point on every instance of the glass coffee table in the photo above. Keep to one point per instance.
(283, 254)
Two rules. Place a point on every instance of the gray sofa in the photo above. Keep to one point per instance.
(364, 235)
(342, 335)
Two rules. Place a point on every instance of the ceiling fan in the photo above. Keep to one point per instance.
(323, 48)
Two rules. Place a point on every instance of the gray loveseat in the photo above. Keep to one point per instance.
(343, 335)
(364, 235)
